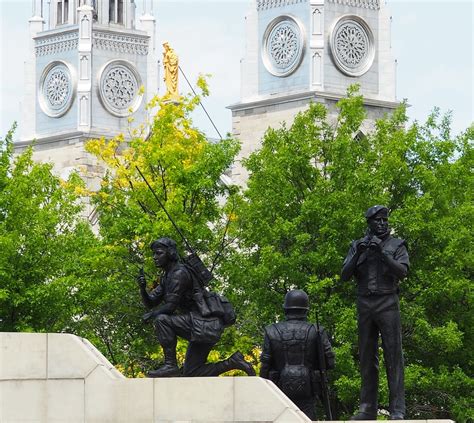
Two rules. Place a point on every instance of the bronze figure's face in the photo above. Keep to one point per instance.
(160, 256)
(378, 224)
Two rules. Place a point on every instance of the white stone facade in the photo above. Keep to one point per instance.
(344, 42)
(84, 79)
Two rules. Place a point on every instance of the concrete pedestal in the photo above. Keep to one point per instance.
(61, 378)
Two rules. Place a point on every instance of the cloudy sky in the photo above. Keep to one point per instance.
(431, 40)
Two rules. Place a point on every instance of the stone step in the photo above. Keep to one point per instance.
(63, 378)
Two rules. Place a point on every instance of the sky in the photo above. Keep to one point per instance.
(432, 41)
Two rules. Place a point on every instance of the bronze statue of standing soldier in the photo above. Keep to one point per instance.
(378, 262)
(296, 354)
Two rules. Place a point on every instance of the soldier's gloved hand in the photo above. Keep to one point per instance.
(141, 281)
(148, 316)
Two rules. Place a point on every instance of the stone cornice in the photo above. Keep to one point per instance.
(67, 38)
(121, 42)
(269, 4)
(366, 4)
(307, 95)
(56, 42)
(70, 136)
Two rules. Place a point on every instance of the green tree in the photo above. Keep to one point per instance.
(43, 241)
(185, 171)
(309, 186)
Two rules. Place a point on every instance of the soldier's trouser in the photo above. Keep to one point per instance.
(168, 327)
(380, 314)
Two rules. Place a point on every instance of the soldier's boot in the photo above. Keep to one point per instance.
(237, 362)
(364, 416)
(170, 367)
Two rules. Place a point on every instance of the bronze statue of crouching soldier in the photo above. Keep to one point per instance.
(178, 314)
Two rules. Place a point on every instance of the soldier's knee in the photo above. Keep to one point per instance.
(161, 319)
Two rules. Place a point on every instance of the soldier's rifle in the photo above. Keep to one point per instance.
(323, 371)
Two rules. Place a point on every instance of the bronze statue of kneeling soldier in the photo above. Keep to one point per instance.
(181, 311)
(296, 355)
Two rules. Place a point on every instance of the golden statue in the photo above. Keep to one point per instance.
(170, 63)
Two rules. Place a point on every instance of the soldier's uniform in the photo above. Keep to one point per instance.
(176, 288)
(379, 313)
(290, 359)
(179, 315)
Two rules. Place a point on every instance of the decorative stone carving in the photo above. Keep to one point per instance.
(56, 89)
(283, 44)
(119, 82)
(84, 66)
(120, 43)
(317, 21)
(317, 68)
(366, 4)
(268, 4)
(84, 109)
(56, 43)
(352, 45)
(85, 27)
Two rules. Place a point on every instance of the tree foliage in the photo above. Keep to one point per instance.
(43, 242)
(184, 170)
(309, 186)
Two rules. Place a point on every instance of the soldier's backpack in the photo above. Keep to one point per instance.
(220, 306)
(295, 379)
(210, 303)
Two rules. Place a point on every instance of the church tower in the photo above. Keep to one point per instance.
(84, 78)
(298, 51)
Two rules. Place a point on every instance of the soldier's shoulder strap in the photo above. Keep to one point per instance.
(272, 331)
(396, 242)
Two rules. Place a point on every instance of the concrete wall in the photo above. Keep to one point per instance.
(63, 378)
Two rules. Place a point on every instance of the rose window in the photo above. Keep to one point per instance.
(56, 89)
(352, 45)
(283, 46)
(119, 86)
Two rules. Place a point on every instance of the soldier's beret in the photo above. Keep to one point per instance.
(164, 242)
(372, 211)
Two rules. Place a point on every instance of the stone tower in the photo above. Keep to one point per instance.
(83, 78)
(299, 51)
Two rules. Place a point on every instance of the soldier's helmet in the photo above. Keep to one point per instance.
(296, 299)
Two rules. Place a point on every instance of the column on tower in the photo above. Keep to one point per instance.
(36, 24)
(317, 44)
(148, 24)
(84, 86)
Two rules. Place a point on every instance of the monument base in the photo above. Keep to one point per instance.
(61, 378)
